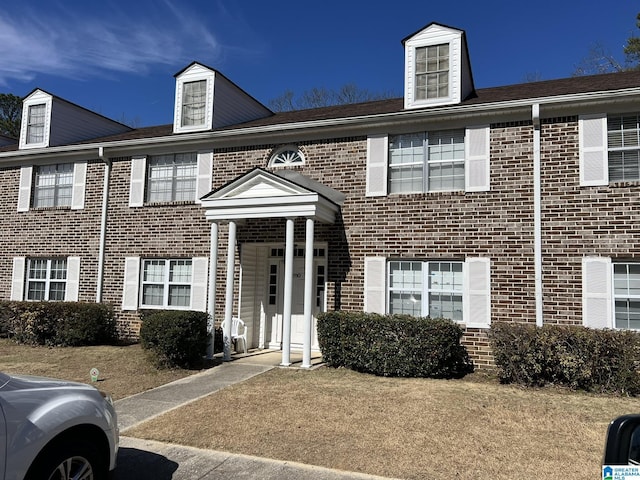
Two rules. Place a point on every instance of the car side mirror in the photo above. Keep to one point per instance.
(622, 446)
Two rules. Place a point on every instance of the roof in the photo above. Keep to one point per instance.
(549, 88)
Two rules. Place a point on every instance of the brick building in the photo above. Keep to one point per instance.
(514, 203)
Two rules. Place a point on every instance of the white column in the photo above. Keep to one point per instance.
(228, 306)
(211, 306)
(308, 294)
(288, 294)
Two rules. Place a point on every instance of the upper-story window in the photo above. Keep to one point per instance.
(53, 186)
(286, 156)
(194, 98)
(623, 134)
(426, 162)
(172, 177)
(35, 123)
(432, 72)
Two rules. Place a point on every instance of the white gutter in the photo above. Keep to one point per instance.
(103, 223)
(537, 215)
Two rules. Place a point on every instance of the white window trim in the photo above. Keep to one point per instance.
(38, 98)
(209, 77)
(19, 279)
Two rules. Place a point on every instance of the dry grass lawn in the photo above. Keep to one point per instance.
(402, 428)
(124, 370)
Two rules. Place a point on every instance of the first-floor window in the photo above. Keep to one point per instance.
(166, 283)
(46, 279)
(626, 291)
(426, 288)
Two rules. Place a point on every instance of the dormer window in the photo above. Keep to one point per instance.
(35, 123)
(194, 102)
(432, 72)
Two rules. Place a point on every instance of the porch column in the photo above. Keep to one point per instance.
(288, 289)
(211, 307)
(228, 304)
(308, 294)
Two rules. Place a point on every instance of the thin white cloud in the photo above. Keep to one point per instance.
(58, 41)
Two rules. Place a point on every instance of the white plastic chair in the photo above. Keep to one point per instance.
(238, 331)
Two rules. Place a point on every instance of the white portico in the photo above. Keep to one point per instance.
(261, 194)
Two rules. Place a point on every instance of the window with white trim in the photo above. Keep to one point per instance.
(432, 72)
(426, 288)
(166, 283)
(626, 295)
(623, 137)
(35, 123)
(53, 186)
(46, 279)
(427, 162)
(172, 177)
(287, 156)
(194, 102)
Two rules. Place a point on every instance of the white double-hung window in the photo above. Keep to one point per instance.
(626, 295)
(194, 101)
(623, 136)
(432, 72)
(172, 178)
(427, 162)
(46, 279)
(53, 186)
(35, 123)
(166, 283)
(432, 288)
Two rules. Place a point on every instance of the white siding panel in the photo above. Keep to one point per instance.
(477, 168)
(73, 279)
(477, 292)
(131, 283)
(596, 292)
(24, 192)
(136, 186)
(377, 159)
(17, 278)
(375, 293)
(79, 184)
(199, 283)
(594, 168)
(251, 290)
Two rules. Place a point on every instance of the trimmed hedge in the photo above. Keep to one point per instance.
(175, 338)
(58, 323)
(393, 345)
(603, 361)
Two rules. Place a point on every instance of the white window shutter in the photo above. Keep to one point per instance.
(131, 283)
(205, 173)
(594, 165)
(377, 159)
(477, 164)
(79, 182)
(24, 192)
(17, 278)
(596, 292)
(477, 292)
(136, 187)
(199, 284)
(375, 293)
(73, 279)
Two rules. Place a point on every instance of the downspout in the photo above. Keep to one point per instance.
(103, 223)
(537, 214)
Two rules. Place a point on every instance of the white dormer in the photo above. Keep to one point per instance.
(49, 121)
(437, 68)
(198, 89)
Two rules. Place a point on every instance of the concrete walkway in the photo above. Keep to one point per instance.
(143, 459)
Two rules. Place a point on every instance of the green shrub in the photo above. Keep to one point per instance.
(58, 323)
(175, 338)
(579, 358)
(393, 345)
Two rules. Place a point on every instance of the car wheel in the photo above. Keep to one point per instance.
(68, 461)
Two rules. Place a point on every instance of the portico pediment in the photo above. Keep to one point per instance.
(263, 194)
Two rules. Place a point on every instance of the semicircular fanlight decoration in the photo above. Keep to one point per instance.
(286, 156)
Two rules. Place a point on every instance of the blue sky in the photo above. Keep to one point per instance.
(118, 57)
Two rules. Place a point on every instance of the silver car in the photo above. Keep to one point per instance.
(55, 430)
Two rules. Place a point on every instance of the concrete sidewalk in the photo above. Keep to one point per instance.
(142, 459)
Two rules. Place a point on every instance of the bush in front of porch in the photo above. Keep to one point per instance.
(393, 345)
